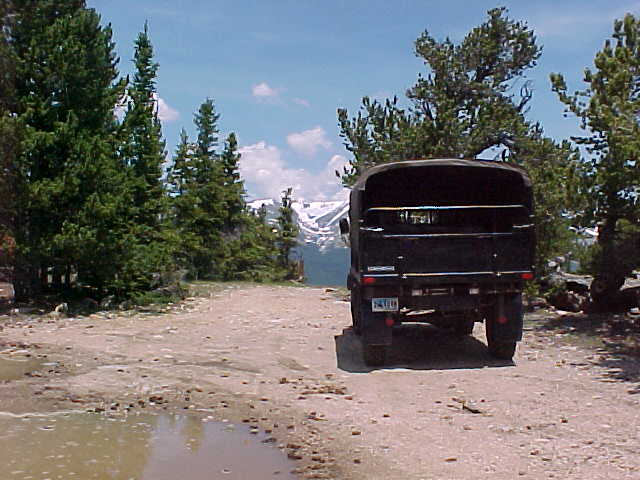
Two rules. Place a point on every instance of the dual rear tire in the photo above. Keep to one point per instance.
(499, 347)
(502, 350)
(373, 355)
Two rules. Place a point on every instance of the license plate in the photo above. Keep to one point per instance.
(384, 304)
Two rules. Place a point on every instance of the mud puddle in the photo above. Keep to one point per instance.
(140, 447)
(14, 368)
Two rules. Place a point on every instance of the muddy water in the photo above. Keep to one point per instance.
(14, 368)
(140, 447)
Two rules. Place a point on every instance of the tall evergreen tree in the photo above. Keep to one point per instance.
(66, 89)
(144, 148)
(253, 254)
(610, 175)
(233, 185)
(181, 183)
(287, 236)
(198, 196)
(181, 171)
(151, 240)
(206, 121)
(219, 238)
(9, 137)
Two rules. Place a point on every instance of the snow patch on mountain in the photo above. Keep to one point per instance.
(318, 221)
(257, 204)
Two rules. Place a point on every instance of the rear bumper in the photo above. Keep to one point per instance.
(440, 277)
(444, 293)
(404, 285)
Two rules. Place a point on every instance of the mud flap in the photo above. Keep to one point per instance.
(507, 322)
(374, 328)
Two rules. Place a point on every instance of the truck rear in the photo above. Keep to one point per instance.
(448, 242)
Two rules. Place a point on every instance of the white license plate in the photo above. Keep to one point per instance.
(384, 304)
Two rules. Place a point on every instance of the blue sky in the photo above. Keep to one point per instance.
(278, 69)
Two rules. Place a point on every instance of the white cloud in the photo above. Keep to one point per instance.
(302, 102)
(264, 91)
(165, 112)
(307, 142)
(266, 175)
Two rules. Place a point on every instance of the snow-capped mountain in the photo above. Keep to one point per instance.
(317, 221)
(326, 257)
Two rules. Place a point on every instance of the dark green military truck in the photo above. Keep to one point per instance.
(449, 242)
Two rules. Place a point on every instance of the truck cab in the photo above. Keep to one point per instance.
(446, 241)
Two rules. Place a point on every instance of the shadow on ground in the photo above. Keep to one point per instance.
(418, 347)
(615, 337)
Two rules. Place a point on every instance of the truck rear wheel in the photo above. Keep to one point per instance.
(502, 350)
(374, 355)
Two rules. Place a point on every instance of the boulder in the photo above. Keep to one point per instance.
(568, 301)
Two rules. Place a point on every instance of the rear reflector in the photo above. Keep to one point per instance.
(389, 321)
(527, 276)
(502, 320)
(369, 280)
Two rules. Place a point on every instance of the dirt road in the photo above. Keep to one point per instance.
(285, 359)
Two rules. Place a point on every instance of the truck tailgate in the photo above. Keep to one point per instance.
(448, 253)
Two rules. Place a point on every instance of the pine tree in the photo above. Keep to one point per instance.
(9, 138)
(287, 236)
(181, 183)
(610, 175)
(233, 186)
(151, 241)
(66, 88)
(219, 237)
(181, 170)
(144, 148)
(253, 254)
(206, 121)
(198, 197)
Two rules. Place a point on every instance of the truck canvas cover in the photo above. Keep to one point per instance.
(443, 217)
(468, 181)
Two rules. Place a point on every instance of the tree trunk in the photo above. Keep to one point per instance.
(609, 276)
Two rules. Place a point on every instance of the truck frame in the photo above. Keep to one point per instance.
(445, 241)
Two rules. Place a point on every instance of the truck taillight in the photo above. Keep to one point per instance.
(369, 280)
(527, 276)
